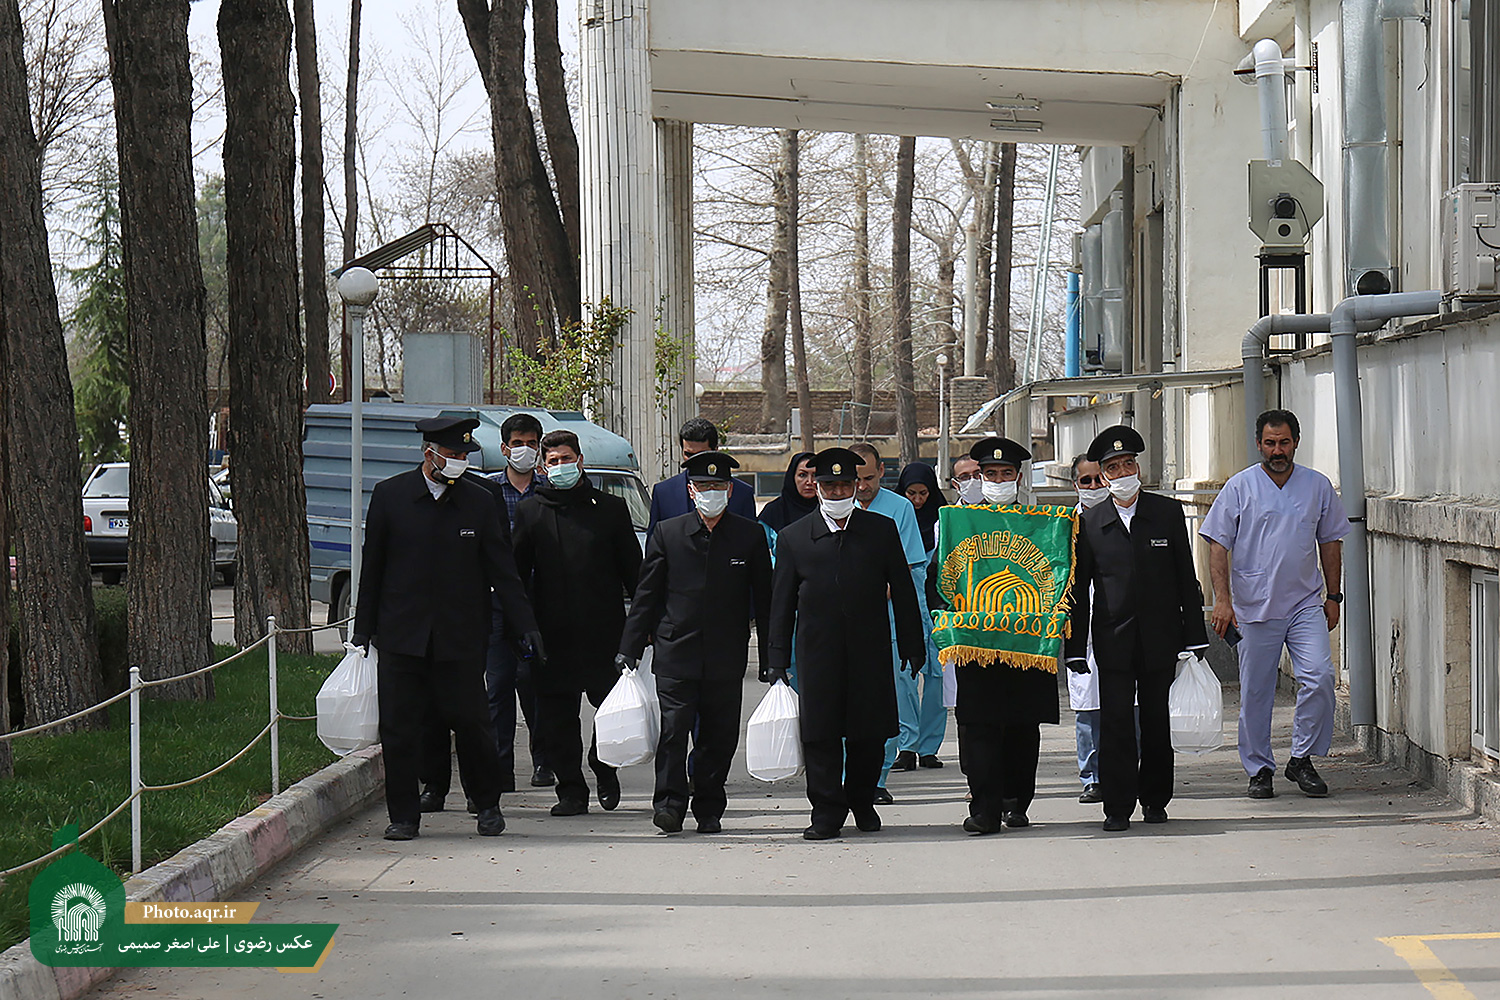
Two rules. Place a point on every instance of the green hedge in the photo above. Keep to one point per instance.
(112, 625)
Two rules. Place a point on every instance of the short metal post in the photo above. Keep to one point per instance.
(275, 708)
(135, 770)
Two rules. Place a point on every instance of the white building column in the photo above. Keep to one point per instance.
(674, 281)
(617, 152)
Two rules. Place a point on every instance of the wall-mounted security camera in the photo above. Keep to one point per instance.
(1286, 201)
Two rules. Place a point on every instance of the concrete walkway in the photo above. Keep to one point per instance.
(1233, 898)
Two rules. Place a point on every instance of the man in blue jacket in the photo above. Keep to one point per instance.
(669, 498)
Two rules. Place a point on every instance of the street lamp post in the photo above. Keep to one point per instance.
(945, 461)
(358, 288)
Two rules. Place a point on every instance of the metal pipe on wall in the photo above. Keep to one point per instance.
(1073, 342)
(1270, 82)
(1366, 150)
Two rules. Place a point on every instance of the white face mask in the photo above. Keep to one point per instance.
(449, 469)
(1125, 487)
(710, 503)
(1093, 495)
(971, 492)
(1000, 493)
(837, 509)
(522, 458)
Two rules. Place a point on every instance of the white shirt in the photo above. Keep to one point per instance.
(435, 488)
(1127, 514)
(832, 524)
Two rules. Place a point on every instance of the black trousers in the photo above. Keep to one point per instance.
(1125, 779)
(417, 695)
(709, 711)
(841, 778)
(561, 731)
(1000, 763)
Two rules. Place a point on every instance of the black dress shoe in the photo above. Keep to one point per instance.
(490, 822)
(570, 807)
(430, 802)
(471, 807)
(401, 831)
(609, 791)
(982, 825)
(1260, 784)
(709, 825)
(867, 820)
(1091, 793)
(906, 760)
(1301, 770)
(1015, 820)
(1154, 814)
(822, 833)
(882, 797)
(542, 777)
(1114, 824)
(929, 760)
(666, 821)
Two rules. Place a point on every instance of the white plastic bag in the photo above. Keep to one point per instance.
(628, 723)
(349, 703)
(773, 739)
(649, 679)
(1196, 704)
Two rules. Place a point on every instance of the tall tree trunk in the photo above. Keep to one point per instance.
(265, 357)
(864, 379)
(543, 276)
(59, 647)
(945, 304)
(985, 206)
(1003, 364)
(169, 558)
(906, 397)
(791, 148)
(314, 266)
(774, 409)
(557, 116)
(7, 754)
(352, 382)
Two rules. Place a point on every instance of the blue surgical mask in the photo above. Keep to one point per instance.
(565, 477)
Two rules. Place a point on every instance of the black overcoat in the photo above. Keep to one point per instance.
(576, 549)
(830, 588)
(696, 595)
(996, 694)
(1145, 587)
(428, 567)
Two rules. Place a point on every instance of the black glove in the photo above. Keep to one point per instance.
(362, 641)
(623, 663)
(774, 674)
(913, 667)
(1079, 666)
(530, 647)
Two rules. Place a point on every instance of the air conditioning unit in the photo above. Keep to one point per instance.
(1471, 241)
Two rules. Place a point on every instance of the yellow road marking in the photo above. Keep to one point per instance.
(1429, 969)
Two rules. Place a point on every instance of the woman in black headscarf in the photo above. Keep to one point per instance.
(919, 484)
(799, 495)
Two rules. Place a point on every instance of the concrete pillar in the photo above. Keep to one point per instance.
(674, 284)
(617, 152)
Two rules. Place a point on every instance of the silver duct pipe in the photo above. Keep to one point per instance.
(1367, 236)
(1358, 627)
(1270, 82)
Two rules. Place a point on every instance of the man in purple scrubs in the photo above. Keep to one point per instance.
(1281, 523)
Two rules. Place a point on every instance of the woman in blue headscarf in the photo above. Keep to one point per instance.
(919, 484)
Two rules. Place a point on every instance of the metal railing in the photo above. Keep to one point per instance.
(138, 786)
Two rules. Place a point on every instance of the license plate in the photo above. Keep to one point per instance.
(119, 524)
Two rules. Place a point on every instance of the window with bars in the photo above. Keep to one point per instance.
(1484, 653)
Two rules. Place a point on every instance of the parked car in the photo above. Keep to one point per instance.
(106, 523)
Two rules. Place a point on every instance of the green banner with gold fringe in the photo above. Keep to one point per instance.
(1007, 572)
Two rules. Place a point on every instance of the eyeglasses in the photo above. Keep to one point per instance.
(1091, 480)
(968, 476)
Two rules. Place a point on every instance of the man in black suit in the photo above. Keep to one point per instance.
(434, 548)
(1147, 607)
(577, 551)
(835, 572)
(703, 574)
(670, 497)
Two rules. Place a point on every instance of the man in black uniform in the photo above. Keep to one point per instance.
(1147, 607)
(576, 549)
(1000, 707)
(434, 548)
(835, 571)
(703, 574)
